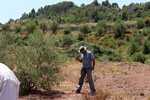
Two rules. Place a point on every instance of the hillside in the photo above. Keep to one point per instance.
(68, 12)
(39, 44)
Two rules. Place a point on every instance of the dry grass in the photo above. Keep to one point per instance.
(100, 95)
(109, 69)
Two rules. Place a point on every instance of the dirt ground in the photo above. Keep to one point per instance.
(113, 81)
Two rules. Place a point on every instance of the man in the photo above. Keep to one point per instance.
(9, 84)
(88, 64)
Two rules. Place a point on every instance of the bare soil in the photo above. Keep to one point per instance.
(113, 81)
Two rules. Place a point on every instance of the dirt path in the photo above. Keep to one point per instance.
(113, 81)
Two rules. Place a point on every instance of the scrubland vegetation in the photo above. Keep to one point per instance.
(38, 44)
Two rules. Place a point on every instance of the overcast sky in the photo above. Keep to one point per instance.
(15, 8)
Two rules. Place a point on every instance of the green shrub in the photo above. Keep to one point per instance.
(147, 22)
(54, 27)
(133, 48)
(37, 63)
(139, 57)
(146, 49)
(101, 28)
(136, 38)
(115, 57)
(43, 26)
(18, 28)
(119, 29)
(31, 26)
(85, 29)
(81, 37)
(68, 40)
(5, 27)
(73, 50)
(67, 30)
(99, 31)
(140, 24)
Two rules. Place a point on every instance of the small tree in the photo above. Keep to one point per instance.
(85, 29)
(31, 26)
(101, 28)
(139, 57)
(146, 47)
(68, 40)
(140, 24)
(5, 27)
(119, 29)
(67, 31)
(133, 49)
(43, 26)
(18, 28)
(147, 22)
(54, 27)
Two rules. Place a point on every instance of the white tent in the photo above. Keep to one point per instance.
(9, 84)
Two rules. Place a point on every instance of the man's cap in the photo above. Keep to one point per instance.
(82, 49)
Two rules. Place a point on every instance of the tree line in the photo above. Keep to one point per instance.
(68, 12)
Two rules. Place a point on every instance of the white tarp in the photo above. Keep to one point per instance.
(9, 84)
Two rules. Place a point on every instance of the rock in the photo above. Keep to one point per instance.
(142, 94)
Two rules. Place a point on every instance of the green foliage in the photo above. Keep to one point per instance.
(37, 62)
(101, 27)
(147, 22)
(124, 15)
(68, 40)
(146, 47)
(67, 30)
(31, 26)
(81, 37)
(43, 27)
(139, 57)
(10, 21)
(133, 49)
(5, 27)
(54, 27)
(115, 58)
(119, 29)
(32, 14)
(106, 3)
(18, 28)
(140, 24)
(85, 29)
(73, 50)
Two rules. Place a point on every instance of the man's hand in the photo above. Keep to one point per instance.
(77, 58)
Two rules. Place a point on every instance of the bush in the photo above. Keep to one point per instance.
(85, 29)
(133, 49)
(37, 63)
(146, 47)
(119, 29)
(81, 37)
(140, 24)
(5, 27)
(147, 22)
(101, 28)
(73, 50)
(67, 31)
(68, 40)
(115, 57)
(18, 28)
(54, 27)
(31, 26)
(43, 27)
(139, 57)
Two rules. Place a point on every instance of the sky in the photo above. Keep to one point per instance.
(15, 8)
